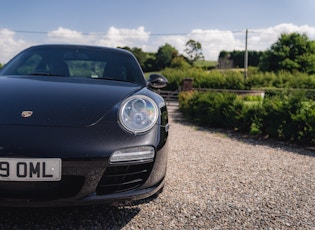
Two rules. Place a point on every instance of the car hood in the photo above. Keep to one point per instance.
(58, 101)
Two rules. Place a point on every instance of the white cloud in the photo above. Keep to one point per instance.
(10, 45)
(178, 41)
(63, 35)
(262, 39)
(113, 37)
(290, 28)
(124, 37)
(212, 41)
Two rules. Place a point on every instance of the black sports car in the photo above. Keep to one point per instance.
(80, 125)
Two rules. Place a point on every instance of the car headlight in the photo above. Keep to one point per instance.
(138, 114)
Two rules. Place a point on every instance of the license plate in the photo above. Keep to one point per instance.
(26, 169)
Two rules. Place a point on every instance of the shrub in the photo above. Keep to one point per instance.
(211, 109)
(272, 117)
(204, 79)
(285, 115)
(281, 79)
(250, 119)
(180, 63)
(304, 120)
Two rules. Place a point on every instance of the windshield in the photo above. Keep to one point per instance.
(76, 61)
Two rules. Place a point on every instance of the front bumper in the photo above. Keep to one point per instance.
(92, 199)
(90, 181)
(87, 175)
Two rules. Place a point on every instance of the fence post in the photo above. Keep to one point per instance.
(187, 84)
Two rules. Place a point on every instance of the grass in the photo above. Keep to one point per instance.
(206, 64)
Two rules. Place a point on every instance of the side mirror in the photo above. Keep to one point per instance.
(157, 81)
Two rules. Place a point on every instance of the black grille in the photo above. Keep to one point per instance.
(123, 178)
(69, 186)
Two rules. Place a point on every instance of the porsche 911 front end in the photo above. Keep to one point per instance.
(88, 131)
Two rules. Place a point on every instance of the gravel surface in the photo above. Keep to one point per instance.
(215, 180)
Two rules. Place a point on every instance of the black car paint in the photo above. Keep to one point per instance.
(60, 101)
(100, 138)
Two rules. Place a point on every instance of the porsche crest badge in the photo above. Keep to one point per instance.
(26, 114)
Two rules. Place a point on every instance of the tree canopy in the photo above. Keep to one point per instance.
(180, 63)
(292, 52)
(155, 61)
(194, 51)
(235, 58)
(165, 55)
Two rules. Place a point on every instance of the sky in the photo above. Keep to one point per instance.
(149, 24)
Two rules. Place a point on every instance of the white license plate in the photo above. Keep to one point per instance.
(29, 169)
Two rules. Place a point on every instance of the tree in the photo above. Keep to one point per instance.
(292, 52)
(150, 63)
(194, 51)
(165, 55)
(180, 63)
(235, 58)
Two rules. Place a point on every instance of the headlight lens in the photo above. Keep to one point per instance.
(138, 114)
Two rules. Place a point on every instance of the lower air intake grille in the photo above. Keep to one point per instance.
(69, 186)
(122, 178)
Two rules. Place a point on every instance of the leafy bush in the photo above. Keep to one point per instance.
(286, 115)
(211, 109)
(204, 79)
(234, 79)
(304, 120)
(180, 63)
(281, 79)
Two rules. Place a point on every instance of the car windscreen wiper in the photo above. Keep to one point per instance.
(115, 79)
(45, 74)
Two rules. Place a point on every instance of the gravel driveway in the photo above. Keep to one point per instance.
(215, 181)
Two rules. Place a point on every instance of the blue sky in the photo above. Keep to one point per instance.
(147, 24)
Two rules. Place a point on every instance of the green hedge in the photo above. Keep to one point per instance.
(287, 116)
(204, 79)
(234, 79)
